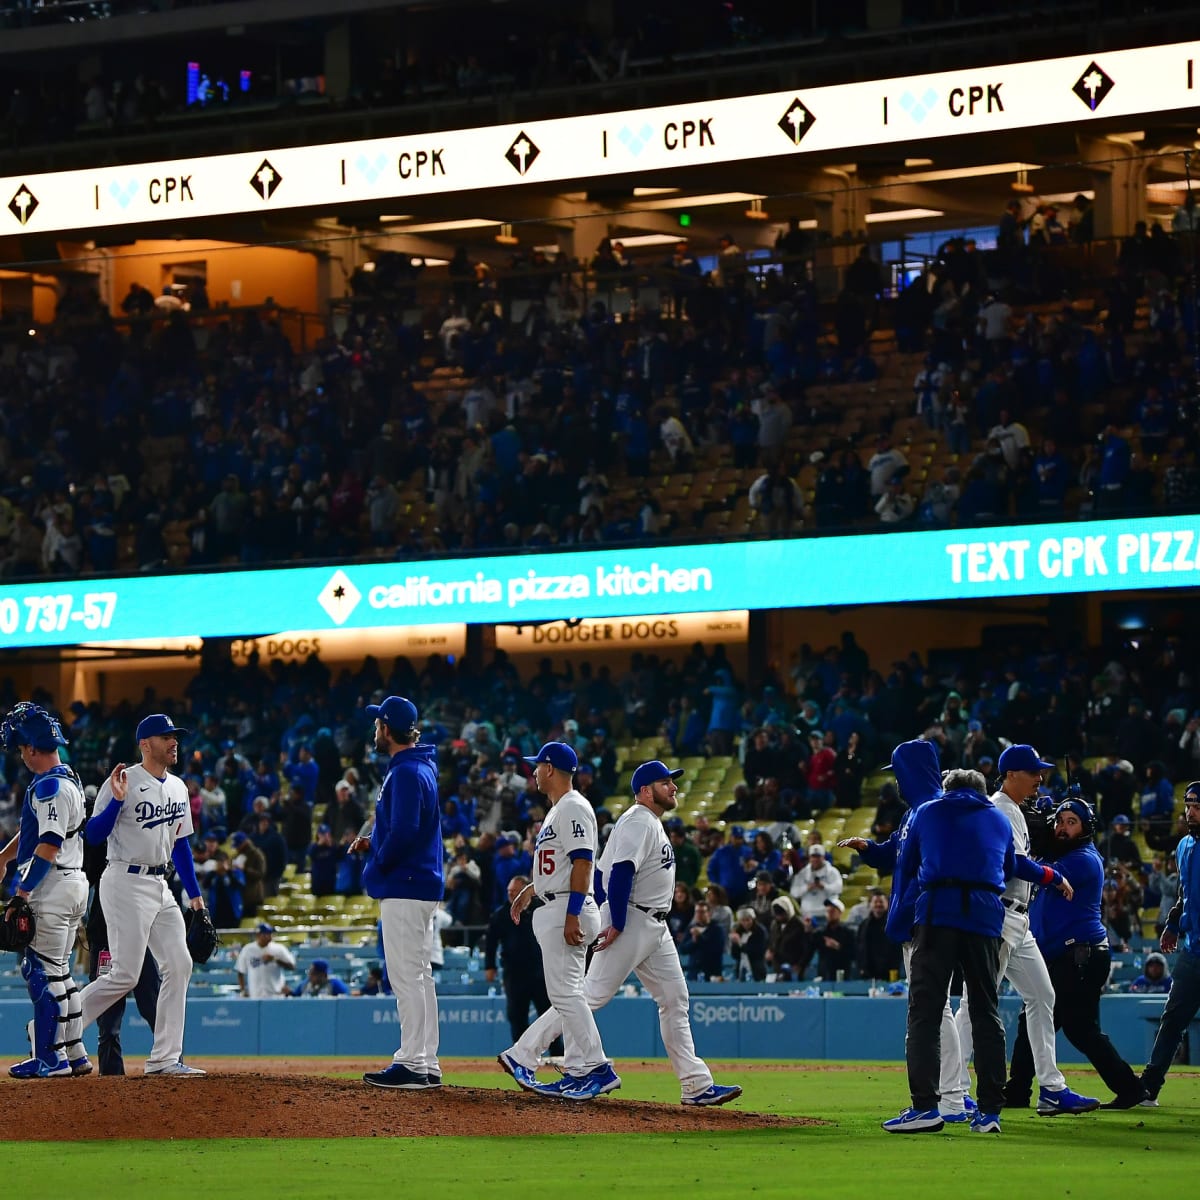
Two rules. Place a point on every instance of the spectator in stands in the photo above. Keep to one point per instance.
(296, 823)
(252, 863)
(274, 850)
(703, 949)
(765, 892)
(350, 864)
(884, 465)
(319, 982)
(463, 880)
(722, 721)
(819, 880)
(681, 912)
(748, 945)
(719, 908)
(1121, 907)
(888, 813)
(510, 859)
(687, 856)
(777, 501)
(1155, 978)
(822, 770)
(895, 506)
(1157, 808)
(835, 942)
(323, 858)
(344, 815)
(878, 957)
(727, 866)
(790, 945)
(223, 892)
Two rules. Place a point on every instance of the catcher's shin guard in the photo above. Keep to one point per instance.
(46, 1007)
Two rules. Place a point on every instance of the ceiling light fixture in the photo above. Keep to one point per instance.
(506, 237)
(756, 212)
(903, 214)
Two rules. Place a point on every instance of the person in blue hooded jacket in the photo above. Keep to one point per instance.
(404, 873)
(919, 777)
(959, 848)
(1073, 941)
(1183, 925)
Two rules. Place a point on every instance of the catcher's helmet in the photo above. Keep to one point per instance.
(31, 725)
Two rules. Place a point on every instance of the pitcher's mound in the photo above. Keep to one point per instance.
(258, 1105)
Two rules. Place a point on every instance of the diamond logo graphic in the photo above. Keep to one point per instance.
(796, 122)
(23, 204)
(370, 169)
(1092, 86)
(123, 193)
(635, 141)
(266, 180)
(919, 107)
(339, 597)
(522, 154)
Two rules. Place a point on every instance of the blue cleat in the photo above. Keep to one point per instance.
(599, 1082)
(1052, 1104)
(712, 1096)
(555, 1090)
(34, 1068)
(397, 1077)
(525, 1078)
(970, 1104)
(81, 1066)
(955, 1118)
(916, 1120)
(983, 1122)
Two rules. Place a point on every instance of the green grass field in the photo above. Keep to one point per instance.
(1098, 1155)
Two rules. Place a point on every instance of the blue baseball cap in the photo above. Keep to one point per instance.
(737, 831)
(396, 713)
(321, 965)
(1121, 819)
(559, 755)
(1021, 758)
(263, 927)
(652, 772)
(157, 725)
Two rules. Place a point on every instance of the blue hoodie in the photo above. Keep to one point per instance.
(1189, 890)
(406, 846)
(1056, 922)
(920, 778)
(960, 847)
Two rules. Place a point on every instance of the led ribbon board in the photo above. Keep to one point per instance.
(1099, 556)
(1076, 90)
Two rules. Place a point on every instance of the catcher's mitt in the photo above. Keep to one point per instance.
(202, 936)
(17, 926)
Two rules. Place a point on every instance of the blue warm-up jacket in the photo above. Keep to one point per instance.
(1056, 922)
(406, 846)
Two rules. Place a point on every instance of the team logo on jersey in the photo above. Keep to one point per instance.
(667, 856)
(577, 830)
(547, 834)
(151, 815)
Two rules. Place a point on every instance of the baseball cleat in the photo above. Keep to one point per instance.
(955, 1118)
(526, 1079)
(435, 1078)
(714, 1095)
(1132, 1100)
(177, 1068)
(399, 1078)
(915, 1120)
(555, 1090)
(969, 1105)
(983, 1122)
(81, 1066)
(1063, 1100)
(34, 1068)
(599, 1082)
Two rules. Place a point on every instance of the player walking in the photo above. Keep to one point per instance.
(145, 814)
(566, 924)
(638, 873)
(49, 854)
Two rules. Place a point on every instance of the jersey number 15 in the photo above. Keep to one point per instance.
(545, 860)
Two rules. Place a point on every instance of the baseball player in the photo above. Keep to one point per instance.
(566, 924)
(49, 855)
(1020, 959)
(638, 873)
(144, 813)
(260, 965)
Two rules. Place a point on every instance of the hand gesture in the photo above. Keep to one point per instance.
(119, 782)
(853, 843)
(1169, 941)
(607, 937)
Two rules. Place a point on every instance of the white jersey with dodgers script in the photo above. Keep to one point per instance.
(155, 813)
(570, 825)
(640, 838)
(1016, 889)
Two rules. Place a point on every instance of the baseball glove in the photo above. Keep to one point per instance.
(202, 936)
(18, 926)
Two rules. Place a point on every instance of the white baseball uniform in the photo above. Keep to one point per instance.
(262, 968)
(1022, 962)
(570, 825)
(53, 808)
(141, 911)
(645, 948)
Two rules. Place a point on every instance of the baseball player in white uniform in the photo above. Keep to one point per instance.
(566, 924)
(145, 814)
(1021, 961)
(638, 873)
(49, 854)
(260, 965)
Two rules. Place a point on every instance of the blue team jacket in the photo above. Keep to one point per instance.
(960, 847)
(1057, 922)
(406, 846)
(920, 779)
(1189, 889)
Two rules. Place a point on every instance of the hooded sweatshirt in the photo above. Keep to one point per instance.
(919, 776)
(1144, 983)
(1057, 922)
(1184, 917)
(960, 848)
(406, 846)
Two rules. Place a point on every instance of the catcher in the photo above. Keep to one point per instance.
(49, 895)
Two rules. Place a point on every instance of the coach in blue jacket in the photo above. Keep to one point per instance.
(404, 873)
(959, 848)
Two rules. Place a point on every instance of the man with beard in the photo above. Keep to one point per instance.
(1184, 918)
(1074, 943)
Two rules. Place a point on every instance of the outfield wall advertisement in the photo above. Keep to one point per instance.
(1100, 556)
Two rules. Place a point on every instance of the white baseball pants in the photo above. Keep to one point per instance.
(142, 914)
(564, 967)
(407, 935)
(59, 903)
(950, 1087)
(1022, 964)
(645, 949)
